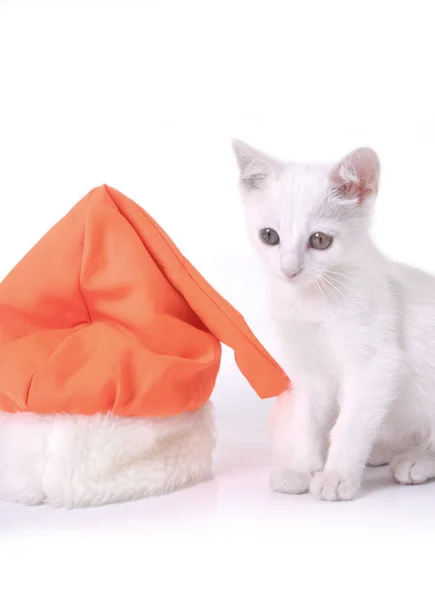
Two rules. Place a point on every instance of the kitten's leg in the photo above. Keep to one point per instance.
(413, 467)
(301, 422)
(368, 392)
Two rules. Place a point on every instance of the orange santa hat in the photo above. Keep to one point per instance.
(105, 314)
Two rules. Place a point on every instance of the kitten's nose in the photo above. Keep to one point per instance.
(290, 265)
(291, 274)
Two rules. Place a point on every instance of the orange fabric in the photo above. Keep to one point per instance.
(105, 314)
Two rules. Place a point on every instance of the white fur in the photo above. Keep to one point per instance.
(357, 328)
(75, 461)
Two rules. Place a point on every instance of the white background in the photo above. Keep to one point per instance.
(146, 96)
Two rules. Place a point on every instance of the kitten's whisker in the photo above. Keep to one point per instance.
(330, 288)
(324, 292)
(332, 285)
(321, 293)
(344, 276)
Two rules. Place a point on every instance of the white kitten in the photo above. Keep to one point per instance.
(357, 328)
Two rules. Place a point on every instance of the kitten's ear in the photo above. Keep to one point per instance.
(255, 167)
(356, 177)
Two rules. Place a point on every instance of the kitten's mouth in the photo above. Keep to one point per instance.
(294, 275)
(291, 277)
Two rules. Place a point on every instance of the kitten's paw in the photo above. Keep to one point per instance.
(289, 481)
(412, 468)
(330, 486)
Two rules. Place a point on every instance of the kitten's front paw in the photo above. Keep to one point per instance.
(289, 481)
(413, 467)
(328, 485)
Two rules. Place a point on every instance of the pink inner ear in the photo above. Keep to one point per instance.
(354, 190)
(357, 176)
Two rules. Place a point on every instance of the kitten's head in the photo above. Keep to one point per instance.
(307, 219)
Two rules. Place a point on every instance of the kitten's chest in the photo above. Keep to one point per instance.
(304, 309)
(310, 349)
(312, 335)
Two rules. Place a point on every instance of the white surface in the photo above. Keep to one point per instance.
(145, 96)
(232, 534)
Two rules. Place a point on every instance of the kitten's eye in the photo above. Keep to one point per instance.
(269, 236)
(320, 241)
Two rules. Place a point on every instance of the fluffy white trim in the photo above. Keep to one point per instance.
(75, 461)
